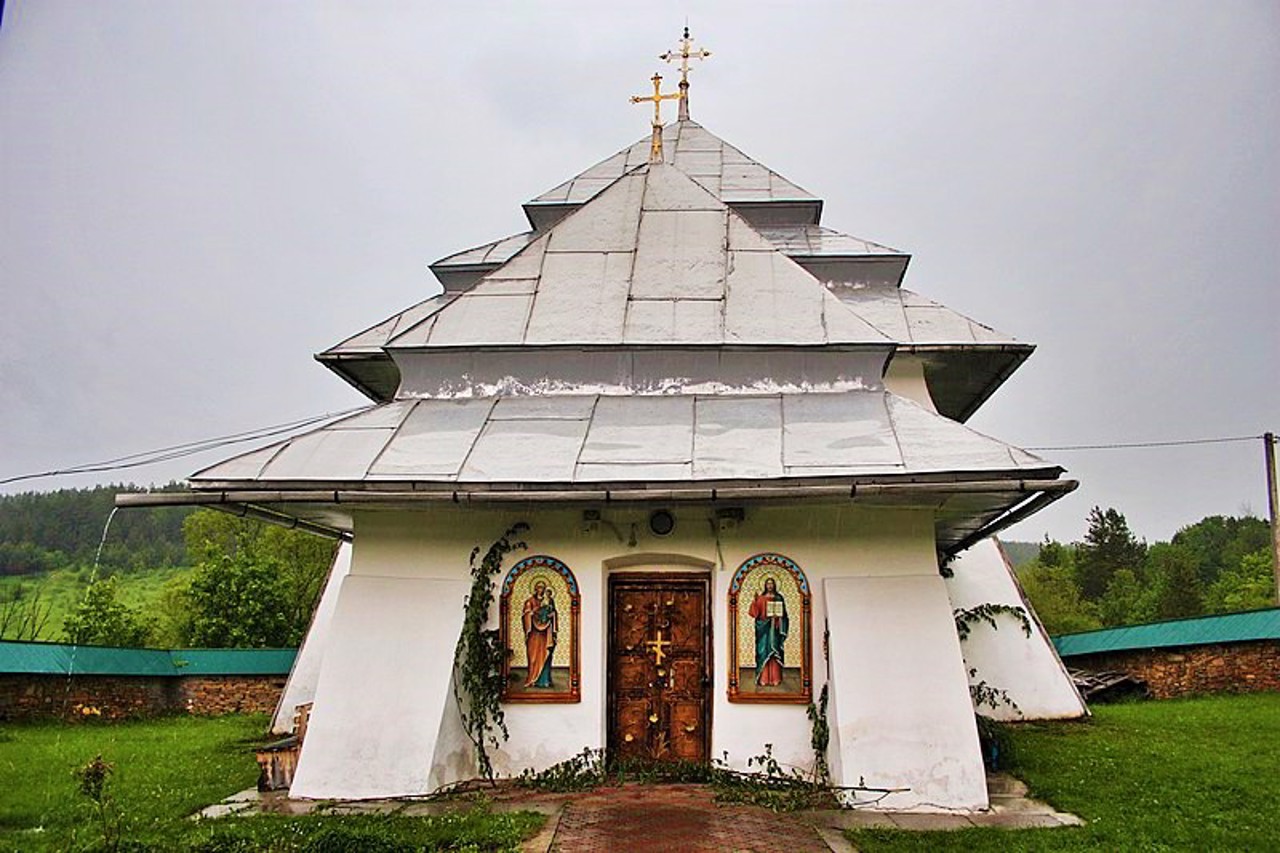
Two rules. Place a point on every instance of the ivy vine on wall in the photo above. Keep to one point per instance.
(980, 691)
(479, 657)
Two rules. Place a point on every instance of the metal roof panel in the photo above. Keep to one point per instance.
(1224, 628)
(640, 430)
(525, 451)
(434, 439)
(838, 431)
(738, 437)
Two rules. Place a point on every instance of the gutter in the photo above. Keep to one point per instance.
(247, 502)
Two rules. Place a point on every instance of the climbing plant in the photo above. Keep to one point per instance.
(478, 658)
(967, 618)
(820, 737)
(980, 691)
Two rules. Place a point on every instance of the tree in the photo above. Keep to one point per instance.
(1171, 570)
(1108, 545)
(101, 620)
(1126, 601)
(254, 584)
(1056, 598)
(1054, 554)
(22, 615)
(1219, 543)
(1247, 586)
(238, 602)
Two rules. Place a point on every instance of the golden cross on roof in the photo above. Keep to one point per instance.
(655, 148)
(685, 53)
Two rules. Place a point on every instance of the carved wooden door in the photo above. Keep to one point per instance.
(659, 668)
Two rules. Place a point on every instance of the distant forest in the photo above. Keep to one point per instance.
(1020, 553)
(44, 531)
(1220, 564)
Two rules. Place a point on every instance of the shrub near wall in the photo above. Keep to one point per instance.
(1239, 667)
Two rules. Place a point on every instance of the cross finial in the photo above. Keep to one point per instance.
(685, 53)
(655, 148)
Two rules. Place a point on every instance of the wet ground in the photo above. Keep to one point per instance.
(649, 818)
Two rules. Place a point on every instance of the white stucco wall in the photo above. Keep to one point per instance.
(1028, 669)
(905, 377)
(301, 686)
(389, 678)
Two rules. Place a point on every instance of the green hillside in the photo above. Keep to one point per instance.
(60, 590)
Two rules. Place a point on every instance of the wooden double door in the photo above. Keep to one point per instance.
(659, 667)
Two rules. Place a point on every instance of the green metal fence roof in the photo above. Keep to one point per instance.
(1227, 628)
(233, 661)
(65, 659)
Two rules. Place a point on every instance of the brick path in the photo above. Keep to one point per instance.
(653, 818)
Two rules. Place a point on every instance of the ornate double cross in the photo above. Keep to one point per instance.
(655, 147)
(684, 54)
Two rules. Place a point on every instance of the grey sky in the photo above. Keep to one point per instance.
(194, 197)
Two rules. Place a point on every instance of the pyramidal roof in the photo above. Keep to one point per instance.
(655, 258)
(595, 282)
(720, 168)
(684, 301)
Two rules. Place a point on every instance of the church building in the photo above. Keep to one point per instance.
(739, 447)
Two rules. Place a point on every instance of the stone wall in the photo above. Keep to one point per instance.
(114, 697)
(212, 695)
(1242, 667)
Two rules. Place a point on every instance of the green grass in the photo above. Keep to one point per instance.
(63, 589)
(166, 770)
(1192, 774)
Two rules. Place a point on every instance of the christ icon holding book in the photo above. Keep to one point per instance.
(769, 610)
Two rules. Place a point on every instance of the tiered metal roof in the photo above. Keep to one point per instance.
(720, 168)
(654, 259)
(680, 330)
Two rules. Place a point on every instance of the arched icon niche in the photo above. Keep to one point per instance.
(770, 642)
(540, 608)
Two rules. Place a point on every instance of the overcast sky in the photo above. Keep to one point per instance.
(195, 197)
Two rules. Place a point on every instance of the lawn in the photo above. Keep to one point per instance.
(165, 770)
(1191, 774)
(1197, 774)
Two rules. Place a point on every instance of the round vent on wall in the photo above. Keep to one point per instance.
(661, 522)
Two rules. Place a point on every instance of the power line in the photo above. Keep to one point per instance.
(178, 451)
(1176, 443)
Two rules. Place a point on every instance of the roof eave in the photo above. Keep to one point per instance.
(340, 364)
(1018, 494)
